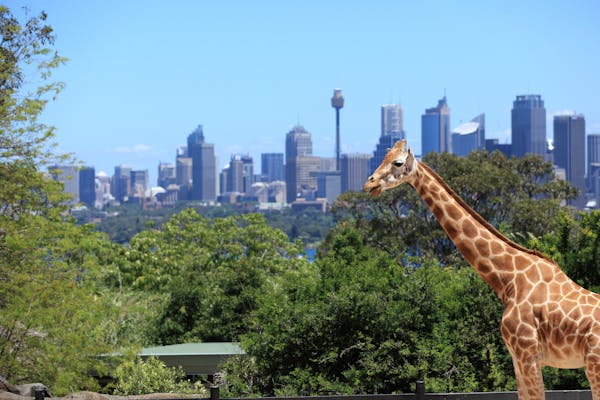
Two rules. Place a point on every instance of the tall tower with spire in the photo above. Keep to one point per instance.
(337, 102)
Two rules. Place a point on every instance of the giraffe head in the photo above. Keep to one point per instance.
(397, 167)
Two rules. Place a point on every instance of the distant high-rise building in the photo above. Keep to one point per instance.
(355, 171)
(392, 120)
(182, 151)
(392, 130)
(271, 166)
(435, 129)
(299, 162)
(528, 126)
(167, 174)
(469, 136)
(87, 186)
(183, 171)
(196, 137)
(247, 172)
(569, 150)
(204, 167)
(121, 183)
(139, 183)
(69, 176)
(593, 162)
(494, 144)
(329, 184)
(233, 175)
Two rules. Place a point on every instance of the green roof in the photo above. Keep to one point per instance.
(194, 349)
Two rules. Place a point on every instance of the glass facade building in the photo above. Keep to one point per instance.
(435, 129)
(569, 149)
(528, 126)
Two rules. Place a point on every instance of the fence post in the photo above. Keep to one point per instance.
(214, 392)
(420, 390)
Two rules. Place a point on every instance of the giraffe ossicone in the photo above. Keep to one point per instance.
(548, 319)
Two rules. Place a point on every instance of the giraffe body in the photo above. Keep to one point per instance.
(548, 319)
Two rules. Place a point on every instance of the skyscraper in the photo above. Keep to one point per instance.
(87, 186)
(299, 163)
(593, 164)
(569, 149)
(69, 176)
(139, 183)
(435, 129)
(204, 168)
(392, 120)
(247, 172)
(355, 171)
(528, 126)
(469, 136)
(167, 174)
(271, 166)
(392, 130)
(121, 183)
(234, 175)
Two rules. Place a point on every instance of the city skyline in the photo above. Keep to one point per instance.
(141, 78)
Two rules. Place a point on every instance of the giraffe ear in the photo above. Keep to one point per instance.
(410, 161)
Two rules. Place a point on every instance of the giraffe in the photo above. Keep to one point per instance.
(548, 319)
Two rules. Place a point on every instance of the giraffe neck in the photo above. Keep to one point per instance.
(483, 246)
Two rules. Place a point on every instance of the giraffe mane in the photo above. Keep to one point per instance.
(480, 219)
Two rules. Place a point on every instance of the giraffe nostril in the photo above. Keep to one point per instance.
(372, 178)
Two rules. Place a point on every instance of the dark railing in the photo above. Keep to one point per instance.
(420, 394)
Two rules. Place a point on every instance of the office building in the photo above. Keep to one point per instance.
(569, 150)
(121, 183)
(68, 175)
(435, 129)
(299, 162)
(271, 166)
(355, 171)
(329, 184)
(528, 126)
(494, 144)
(307, 169)
(232, 176)
(204, 168)
(593, 162)
(87, 186)
(183, 171)
(469, 136)
(247, 172)
(167, 175)
(139, 183)
(392, 120)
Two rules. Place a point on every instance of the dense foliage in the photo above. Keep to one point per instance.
(54, 311)
(308, 226)
(137, 376)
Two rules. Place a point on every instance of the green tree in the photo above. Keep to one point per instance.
(520, 195)
(137, 376)
(52, 310)
(367, 324)
(210, 272)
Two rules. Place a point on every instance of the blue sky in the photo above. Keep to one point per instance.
(143, 74)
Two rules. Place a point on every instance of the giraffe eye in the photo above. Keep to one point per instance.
(398, 163)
